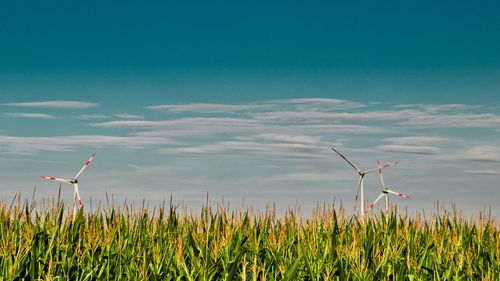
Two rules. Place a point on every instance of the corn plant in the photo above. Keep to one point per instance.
(43, 242)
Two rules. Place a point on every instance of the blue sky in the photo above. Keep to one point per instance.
(244, 100)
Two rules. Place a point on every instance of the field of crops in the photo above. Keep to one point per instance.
(42, 242)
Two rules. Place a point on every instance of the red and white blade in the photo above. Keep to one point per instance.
(385, 166)
(398, 194)
(373, 204)
(55, 179)
(84, 166)
(357, 193)
(380, 173)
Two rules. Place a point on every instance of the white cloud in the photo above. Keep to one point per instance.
(406, 105)
(232, 148)
(448, 107)
(415, 144)
(129, 116)
(209, 126)
(205, 107)
(406, 117)
(289, 138)
(484, 172)
(439, 107)
(54, 104)
(348, 129)
(336, 117)
(186, 126)
(31, 115)
(416, 140)
(453, 121)
(29, 145)
(320, 104)
(197, 121)
(418, 149)
(92, 116)
(483, 153)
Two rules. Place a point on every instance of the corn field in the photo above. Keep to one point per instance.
(43, 242)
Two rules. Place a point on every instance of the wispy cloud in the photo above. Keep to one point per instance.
(405, 118)
(54, 104)
(416, 140)
(305, 104)
(261, 149)
(486, 153)
(30, 145)
(480, 153)
(425, 120)
(201, 121)
(289, 138)
(336, 117)
(205, 107)
(439, 107)
(320, 104)
(92, 116)
(129, 116)
(415, 144)
(417, 149)
(197, 126)
(484, 172)
(31, 115)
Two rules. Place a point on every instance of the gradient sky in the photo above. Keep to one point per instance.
(244, 100)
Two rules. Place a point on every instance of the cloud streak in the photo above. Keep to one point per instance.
(92, 116)
(417, 149)
(54, 104)
(256, 148)
(31, 115)
(336, 117)
(30, 145)
(205, 107)
(414, 145)
(484, 172)
(129, 116)
(480, 153)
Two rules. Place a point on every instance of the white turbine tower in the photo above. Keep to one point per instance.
(73, 181)
(361, 181)
(385, 192)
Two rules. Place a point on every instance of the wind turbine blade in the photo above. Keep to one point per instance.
(398, 194)
(356, 200)
(84, 166)
(380, 173)
(75, 186)
(392, 164)
(385, 166)
(346, 160)
(373, 204)
(56, 179)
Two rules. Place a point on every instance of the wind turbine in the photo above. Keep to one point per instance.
(73, 181)
(361, 181)
(385, 192)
